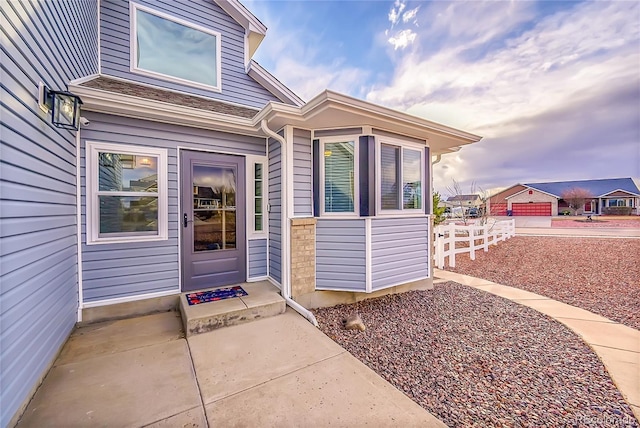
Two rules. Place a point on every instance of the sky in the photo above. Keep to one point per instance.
(553, 87)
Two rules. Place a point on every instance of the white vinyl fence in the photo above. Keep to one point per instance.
(474, 237)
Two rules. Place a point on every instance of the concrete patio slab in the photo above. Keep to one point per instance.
(110, 337)
(625, 374)
(193, 418)
(609, 334)
(233, 359)
(556, 309)
(339, 391)
(127, 389)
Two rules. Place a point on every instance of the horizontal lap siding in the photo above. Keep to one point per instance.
(53, 42)
(399, 251)
(135, 268)
(237, 86)
(302, 196)
(257, 258)
(340, 255)
(275, 211)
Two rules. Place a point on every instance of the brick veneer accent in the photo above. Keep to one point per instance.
(303, 256)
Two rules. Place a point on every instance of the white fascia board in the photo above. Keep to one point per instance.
(617, 190)
(365, 106)
(272, 84)
(85, 79)
(255, 28)
(141, 108)
(527, 187)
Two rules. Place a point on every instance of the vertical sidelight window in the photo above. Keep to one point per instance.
(258, 216)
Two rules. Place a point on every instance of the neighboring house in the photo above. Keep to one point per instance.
(545, 199)
(194, 167)
(465, 201)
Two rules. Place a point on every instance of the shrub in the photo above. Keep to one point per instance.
(617, 210)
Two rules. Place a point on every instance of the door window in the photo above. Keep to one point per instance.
(214, 208)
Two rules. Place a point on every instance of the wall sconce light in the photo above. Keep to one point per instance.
(64, 107)
(144, 162)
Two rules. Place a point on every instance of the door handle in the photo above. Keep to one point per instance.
(185, 220)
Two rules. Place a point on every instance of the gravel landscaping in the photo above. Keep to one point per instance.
(475, 359)
(596, 274)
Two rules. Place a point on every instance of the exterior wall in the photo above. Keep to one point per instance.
(341, 254)
(257, 258)
(536, 196)
(52, 42)
(302, 173)
(303, 256)
(399, 251)
(498, 202)
(237, 86)
(129, 269)
(275, 211)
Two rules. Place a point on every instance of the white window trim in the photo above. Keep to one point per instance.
(251, 194)
(378, 157)
(133, 49)
(356, 175)
(92, 197)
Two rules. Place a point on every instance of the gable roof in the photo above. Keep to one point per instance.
(254, 29)
(597, 187)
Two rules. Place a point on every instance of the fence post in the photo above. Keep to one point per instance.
(472, 242)
(452, 245)
(485, 237)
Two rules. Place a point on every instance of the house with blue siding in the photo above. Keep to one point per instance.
(192, 167)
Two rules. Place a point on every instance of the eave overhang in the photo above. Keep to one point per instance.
(328, 110)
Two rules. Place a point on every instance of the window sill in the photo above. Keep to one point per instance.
(126, 240)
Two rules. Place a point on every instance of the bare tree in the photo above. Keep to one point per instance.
(456, 190)
(575, 197)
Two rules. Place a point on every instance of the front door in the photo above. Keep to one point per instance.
(212, 219)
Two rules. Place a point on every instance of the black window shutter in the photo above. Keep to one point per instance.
(316, 178)
(367, 179)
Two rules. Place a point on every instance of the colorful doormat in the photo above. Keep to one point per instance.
(215, 295)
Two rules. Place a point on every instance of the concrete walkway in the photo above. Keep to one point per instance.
(279, 371)
(617, 346)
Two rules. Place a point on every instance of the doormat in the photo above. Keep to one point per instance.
(215, 295)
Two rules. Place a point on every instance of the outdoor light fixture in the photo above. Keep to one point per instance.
(64, 107)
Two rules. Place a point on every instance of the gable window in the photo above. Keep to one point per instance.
(339, 176)
(126, 193)
(171, 48)
(401, 177)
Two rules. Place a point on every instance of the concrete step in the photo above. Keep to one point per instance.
(263, 300)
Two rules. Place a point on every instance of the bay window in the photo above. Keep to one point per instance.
(401, 177)
(339, 160)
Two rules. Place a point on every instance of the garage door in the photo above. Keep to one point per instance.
(533, 209)
(498, 209)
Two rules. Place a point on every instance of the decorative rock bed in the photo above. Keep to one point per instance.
(475, 359)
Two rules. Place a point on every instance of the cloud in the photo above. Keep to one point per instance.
(402, 39)
(296, 56)
(410, 15)
(396, 12)
(528, 83)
